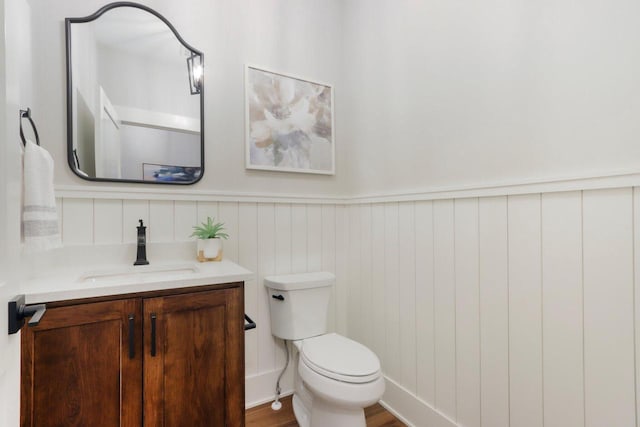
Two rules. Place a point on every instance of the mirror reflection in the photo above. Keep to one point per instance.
(134, 98)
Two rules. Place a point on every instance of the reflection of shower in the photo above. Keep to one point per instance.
(194, 65)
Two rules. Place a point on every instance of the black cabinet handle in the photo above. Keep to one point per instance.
(132, 342)
(278, 297)
(153, 335)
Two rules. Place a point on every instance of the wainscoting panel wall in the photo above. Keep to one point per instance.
(266, 238)
(609, 357)
(501, 311)
(516, 310)
(562, 309)
(525, 311)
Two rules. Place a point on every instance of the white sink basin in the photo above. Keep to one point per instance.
(142, 273)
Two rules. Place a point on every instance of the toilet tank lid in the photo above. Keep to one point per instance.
(292, 282)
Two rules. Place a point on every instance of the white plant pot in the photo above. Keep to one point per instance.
(209, 248)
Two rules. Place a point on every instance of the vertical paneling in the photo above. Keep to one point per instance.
(525, 311)
(377, 272)
(108, 221)
(445, 300)
(161, 220)
(283, 238)
(266, 266)
(186, 213)
(283, 259)
(475, 306)
(467, 313)
(354, 315)
(132, 211)
(228, 214)
(391, 291)
(77, 222)
(494, 318)
(608, 308)
(248, 258)
(314, 237)
(562, 329)
(407, 295)
(299, 238)
(329, 255)
(207, 209)
(366, 274)
(342, 269)
(425, 331)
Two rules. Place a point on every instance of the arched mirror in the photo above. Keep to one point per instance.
(135, 98)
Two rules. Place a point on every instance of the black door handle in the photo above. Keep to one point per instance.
(153, 335)
(278, 297)
(132, 342)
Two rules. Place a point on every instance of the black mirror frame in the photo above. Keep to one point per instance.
(96, 15)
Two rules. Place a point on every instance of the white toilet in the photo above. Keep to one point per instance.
(335, 377)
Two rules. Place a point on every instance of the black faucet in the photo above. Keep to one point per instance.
(142, 245)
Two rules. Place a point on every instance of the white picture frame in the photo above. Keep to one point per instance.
(289, 123)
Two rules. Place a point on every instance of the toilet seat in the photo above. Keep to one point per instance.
(339, 358)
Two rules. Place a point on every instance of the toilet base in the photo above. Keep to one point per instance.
(324, 413)
(301, 412)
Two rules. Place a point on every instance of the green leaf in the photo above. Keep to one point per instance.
(209, 230)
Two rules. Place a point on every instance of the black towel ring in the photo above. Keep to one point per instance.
(27, 114)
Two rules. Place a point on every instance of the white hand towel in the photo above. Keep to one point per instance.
(39, 215)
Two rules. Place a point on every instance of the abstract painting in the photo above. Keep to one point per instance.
(289, 123)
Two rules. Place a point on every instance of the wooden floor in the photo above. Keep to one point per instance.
(264, 416)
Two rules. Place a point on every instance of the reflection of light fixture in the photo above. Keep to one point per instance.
(194, 64)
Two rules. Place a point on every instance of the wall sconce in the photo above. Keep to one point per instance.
(196, 71)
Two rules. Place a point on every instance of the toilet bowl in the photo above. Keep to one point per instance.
(342, 376)
(335, 377)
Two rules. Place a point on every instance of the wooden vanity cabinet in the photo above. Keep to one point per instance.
(169, 358)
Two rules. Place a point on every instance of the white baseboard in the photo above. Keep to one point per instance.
(260, 388)
(411, 410)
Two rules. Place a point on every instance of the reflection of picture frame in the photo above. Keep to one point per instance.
(289, 123)
(170, 173)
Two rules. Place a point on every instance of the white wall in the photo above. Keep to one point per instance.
(303, 38)
(449, 94)
(496, 311)
(495, 306)
(132, 80)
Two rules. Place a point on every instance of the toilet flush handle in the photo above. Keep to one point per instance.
(278, 297)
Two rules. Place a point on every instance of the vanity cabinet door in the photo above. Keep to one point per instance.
(77, 368)
(194, 359)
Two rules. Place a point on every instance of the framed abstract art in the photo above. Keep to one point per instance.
(289, 123)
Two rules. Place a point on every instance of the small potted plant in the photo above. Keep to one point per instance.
(209, 236)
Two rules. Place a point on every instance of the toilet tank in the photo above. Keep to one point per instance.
(299, 304)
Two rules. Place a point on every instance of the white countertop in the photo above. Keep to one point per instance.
(85, 282)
